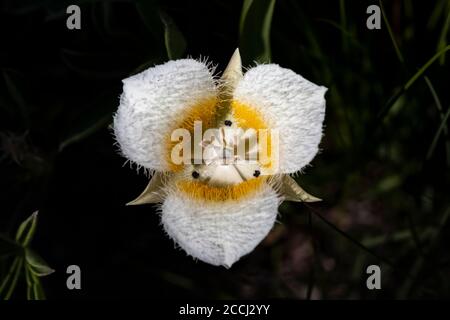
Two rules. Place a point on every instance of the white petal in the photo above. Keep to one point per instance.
(220, 233)
(289, 103)
(152, 101)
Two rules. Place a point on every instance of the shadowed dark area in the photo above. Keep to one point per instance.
(383, 170)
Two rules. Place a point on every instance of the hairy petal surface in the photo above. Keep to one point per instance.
(152, 101)
(289, 103)
(219, 233)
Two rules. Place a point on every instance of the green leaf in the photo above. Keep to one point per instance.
(10, 281)
(441, 128)
(343, 25)
(34, 286)
(27, 229)
(425, 67)
(245, 8)
(86, 124)
(173, 38)
(8, 246)
(345, 34)
(255, 23)
(438, 11)
(28, 278)
(392, 100)
(38, 291)
(445, 129)
(29, 281)
(391, 34)
(37, 265)
(85, 131)
(149, 12)
(443, 37)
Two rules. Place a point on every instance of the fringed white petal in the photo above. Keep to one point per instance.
(219, 233)
(291, 104)
(152, 101)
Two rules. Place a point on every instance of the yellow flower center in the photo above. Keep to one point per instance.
(218, 177)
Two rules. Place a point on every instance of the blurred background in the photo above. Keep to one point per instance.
(383, 172)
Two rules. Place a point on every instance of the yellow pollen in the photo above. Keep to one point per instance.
(248, 117)
(201, 190)
(204, 111)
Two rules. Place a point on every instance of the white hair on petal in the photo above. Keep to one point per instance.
(289, 103)
(152, 102)
(219, 233)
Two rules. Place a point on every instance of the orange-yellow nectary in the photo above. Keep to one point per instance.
(210, 113)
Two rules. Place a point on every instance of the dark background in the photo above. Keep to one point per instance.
(384, 183)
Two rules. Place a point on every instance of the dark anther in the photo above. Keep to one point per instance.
(195, 174)
(228, 123)
(257, 173)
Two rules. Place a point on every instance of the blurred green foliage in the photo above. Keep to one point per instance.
(25, 261)
(383, 170)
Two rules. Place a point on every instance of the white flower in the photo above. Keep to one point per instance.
(219, 212)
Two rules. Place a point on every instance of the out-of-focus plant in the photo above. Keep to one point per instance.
(254, 30)
(25, 262)
(382, 173)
